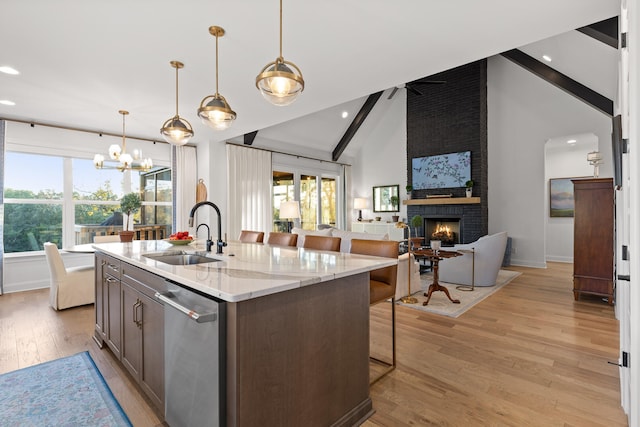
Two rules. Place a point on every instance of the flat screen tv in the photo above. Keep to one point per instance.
(442, 171)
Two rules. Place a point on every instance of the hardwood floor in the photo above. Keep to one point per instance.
(529, 355)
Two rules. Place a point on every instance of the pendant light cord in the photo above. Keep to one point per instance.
(217, 94)
(177, 91)
(281, 30)
(124, 141)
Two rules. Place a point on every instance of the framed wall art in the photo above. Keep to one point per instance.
(561, 202)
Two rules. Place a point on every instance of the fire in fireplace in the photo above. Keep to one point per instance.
(444, 234)
(447, 230)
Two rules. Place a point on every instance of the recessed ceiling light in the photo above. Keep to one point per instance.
(6, 102)
(9, 70)
(571, 141)
(345, 114)
(546, 58)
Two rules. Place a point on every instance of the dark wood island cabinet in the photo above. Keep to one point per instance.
(593, 240)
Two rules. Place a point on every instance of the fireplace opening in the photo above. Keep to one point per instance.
(447, 230)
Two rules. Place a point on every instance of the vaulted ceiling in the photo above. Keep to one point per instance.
(81, 61)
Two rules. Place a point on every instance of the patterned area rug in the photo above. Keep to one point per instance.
(64, 392)
(440, 304)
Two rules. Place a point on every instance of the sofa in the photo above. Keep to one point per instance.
(345, 246)
(489, 253)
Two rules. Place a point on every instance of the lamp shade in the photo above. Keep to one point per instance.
(359, 203)
(290, 209)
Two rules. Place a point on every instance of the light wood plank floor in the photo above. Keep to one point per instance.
(527, 356)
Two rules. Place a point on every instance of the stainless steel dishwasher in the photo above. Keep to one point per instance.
(194, 357)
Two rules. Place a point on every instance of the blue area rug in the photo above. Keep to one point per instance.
(64, 392)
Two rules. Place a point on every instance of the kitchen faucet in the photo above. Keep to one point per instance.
(219, 244)
(209, 241)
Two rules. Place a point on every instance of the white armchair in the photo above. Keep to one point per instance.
(488, 252)
(70, 287)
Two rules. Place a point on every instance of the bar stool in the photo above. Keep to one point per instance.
(247, 236)
(382, 286)
(322, 243)
(282, 239)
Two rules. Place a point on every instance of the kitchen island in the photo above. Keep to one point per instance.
(296, 340)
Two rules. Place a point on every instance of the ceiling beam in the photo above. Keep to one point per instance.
(355, 125)
(249, 137)
(562, 81)
(605, 31)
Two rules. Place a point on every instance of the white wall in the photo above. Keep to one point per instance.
(563, 160)
(523, 113)
(382, 160)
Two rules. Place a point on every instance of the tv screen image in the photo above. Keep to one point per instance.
(442, 171)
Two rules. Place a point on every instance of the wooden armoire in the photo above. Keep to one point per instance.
(593, 239)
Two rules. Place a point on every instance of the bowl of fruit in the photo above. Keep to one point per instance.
(180, 238)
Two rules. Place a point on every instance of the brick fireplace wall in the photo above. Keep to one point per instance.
(449, 118)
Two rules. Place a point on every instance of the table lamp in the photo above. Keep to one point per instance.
(359, 203)
(289, 210)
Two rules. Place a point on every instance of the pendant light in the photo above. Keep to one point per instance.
(214, 110)
(119, 154)
(280, 82)
(176, 130)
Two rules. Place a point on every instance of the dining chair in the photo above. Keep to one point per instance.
(282, 239)
(70, 287)
(322, 243)
(105, 239)
(382, 286)
(247, 236)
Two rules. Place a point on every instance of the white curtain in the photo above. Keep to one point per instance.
(249, 190)
(185, 179)
(347, 201)
(2, 144)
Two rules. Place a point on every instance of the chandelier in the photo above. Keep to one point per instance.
(214, 110)
(280, 82)
(176, 130)
(119, 154)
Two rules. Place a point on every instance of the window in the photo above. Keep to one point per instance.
(316, 194)
(33, 201)
(283, 190)
(68, 201)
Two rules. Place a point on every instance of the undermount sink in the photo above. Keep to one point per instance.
(180, 258)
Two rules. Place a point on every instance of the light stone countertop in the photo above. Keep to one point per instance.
(245, 270)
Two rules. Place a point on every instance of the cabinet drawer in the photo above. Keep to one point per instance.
(112, 267)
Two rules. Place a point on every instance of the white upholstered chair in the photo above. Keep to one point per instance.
(488, 252)
(70, 287)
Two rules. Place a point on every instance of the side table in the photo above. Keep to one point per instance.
(435, 257)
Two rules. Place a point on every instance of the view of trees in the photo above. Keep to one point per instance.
(28, 225)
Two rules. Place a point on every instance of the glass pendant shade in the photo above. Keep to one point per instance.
(279, 83)
(176, 131)
(216, 113)
(214, 110)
